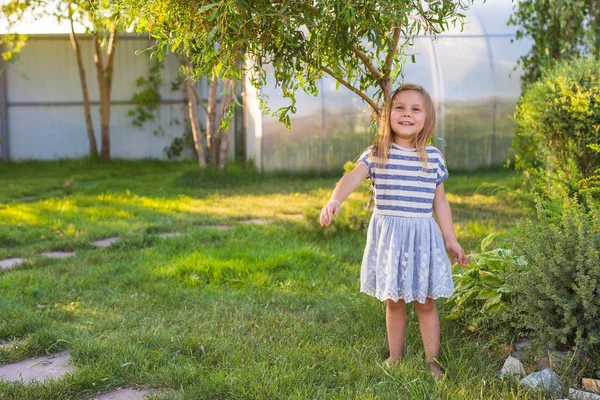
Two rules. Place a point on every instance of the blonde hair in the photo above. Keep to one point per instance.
(385, 137)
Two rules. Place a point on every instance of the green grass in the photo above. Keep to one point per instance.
(258, 311)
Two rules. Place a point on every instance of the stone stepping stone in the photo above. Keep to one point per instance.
(8, 345)
(258, 221)
(122, 394)
(59, 254)
(217, 227)
(10, 263)
(38, 369)
(170, 234)
(105, 242)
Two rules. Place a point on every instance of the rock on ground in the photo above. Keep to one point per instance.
(512, 365)
(10, 263)
(581, 395)
(545, 379)
(105, 242)
(38, 369)
(59, 254)
(122, 394)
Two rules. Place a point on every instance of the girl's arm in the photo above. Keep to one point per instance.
(345, 186)
(443, 215)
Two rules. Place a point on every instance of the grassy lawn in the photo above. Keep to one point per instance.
(257, 311)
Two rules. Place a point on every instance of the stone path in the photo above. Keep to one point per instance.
(122, 394)
(38, 369)
(10, 263)
(258, 221)
(217, 227)
(170, 234)
(59, 254)
(105, 242)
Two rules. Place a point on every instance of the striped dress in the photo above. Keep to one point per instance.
(405, 256)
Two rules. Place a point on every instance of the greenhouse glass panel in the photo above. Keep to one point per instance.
(297, 149)
(346, 125)
(467, 90)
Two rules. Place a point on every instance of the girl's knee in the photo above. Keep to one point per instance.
(427, 307)
(395, 304)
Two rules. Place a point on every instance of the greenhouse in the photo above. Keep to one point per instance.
(470, 75)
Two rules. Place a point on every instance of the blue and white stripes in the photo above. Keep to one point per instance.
(404, 187)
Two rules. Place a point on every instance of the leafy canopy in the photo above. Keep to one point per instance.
(560, 29)
(360, 43)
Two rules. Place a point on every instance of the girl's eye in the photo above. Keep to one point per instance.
(416, 109)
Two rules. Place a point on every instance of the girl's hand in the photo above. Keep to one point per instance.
(457, 254)
(330, 210)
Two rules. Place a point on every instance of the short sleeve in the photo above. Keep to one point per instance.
(366, 159)
(442, 172)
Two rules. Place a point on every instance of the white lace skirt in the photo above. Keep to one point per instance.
(405, 258)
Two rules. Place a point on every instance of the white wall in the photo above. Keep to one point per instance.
(45, 111)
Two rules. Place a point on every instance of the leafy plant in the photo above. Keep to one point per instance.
(148, 99)
(558, 117)
(482, 298)
(557, 292)
(560, 29)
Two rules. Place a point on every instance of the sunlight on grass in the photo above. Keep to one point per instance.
(18, 215)
(256, 311)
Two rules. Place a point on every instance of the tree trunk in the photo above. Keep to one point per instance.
(105, 75)
(228, 93)
(194, 120)
(211, 120)
(86, 97)
(386, 87)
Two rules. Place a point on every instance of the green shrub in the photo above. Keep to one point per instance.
(557, 293)
(559, 116)
(481, 299)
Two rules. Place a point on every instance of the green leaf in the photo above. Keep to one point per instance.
(212, 33)
(452, 316)
(495, 299)
(207, 7)
(491, 281)
(486, 241)
(486, 294)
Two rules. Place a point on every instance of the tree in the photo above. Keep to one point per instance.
(362, 44)
(102, 25)
(560, 29)
(216, 140)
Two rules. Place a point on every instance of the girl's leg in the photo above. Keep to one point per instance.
(395, 317)
(429, 324)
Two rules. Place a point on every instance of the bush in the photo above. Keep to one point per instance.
(559, 116)
(557, 293)
(482, 299)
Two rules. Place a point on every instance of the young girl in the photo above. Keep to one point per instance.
(405, 259)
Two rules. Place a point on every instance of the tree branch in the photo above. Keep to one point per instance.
(352, 88)
(198, 98)
(365, 59)
(393, 50)
(110, 62)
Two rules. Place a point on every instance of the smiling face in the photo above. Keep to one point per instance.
(407, 117)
